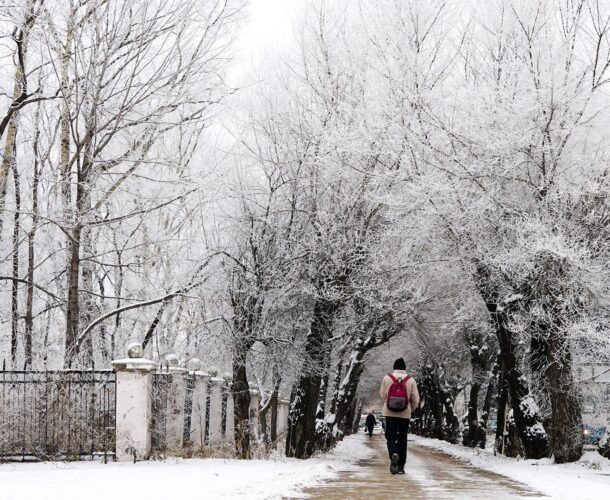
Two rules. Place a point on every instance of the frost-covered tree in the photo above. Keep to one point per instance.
(517, 160)
(117, 96)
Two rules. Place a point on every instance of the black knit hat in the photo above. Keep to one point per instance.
(400, 364)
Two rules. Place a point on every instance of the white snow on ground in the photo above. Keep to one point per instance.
(589, 478)
(170, 479)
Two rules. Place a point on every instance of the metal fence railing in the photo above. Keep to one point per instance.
(57, 414)
(161, 386)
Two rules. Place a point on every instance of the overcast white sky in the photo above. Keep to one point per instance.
(268, 27)
(269, 22)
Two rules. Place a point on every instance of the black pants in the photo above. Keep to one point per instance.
(396, 432)
(370, 429)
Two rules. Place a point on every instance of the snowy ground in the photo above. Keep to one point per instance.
(268, 479)
(191, 479)
(589, 478)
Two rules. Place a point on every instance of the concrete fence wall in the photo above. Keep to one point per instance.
(198, 409)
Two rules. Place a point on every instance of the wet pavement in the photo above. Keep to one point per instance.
(429, 474)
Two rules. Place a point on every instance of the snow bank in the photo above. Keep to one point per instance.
(589, 478)
(191, 479)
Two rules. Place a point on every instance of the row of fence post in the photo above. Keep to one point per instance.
(196, 409)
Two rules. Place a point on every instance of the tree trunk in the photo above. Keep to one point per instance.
(431, 406)
(80, 238)
(353, 416)
(538, 363)
(73, 241)
(269, 432)
(555, 372)
(603, 447)
(470, 436)
(479, 361)
(323, 435)
(481, 436)
(8, 155)
(103, 341)
(452, 422)
(274, 404)
(528, 420)
(15, 265)
(262, 423)
(336, 384)
(300, 440)
(437, 408)
(302, 417)
(29, 301)
(87, 308)
(241, 405)
(511, 437)
(502, 411)
(117, 319)
(65, 121)
(72, 311)
(347, 391)
(5, 169)
(21, 35)
(565, 427)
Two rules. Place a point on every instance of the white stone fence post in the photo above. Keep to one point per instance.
(175, 411)
(283, 407)
(133, 405)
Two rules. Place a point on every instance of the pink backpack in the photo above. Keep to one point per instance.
(398, 396)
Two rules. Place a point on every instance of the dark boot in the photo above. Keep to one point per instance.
(394, 464)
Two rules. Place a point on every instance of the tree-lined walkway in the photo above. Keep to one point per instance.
(429, 474)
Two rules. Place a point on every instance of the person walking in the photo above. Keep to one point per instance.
(400, 398)
(370, 423)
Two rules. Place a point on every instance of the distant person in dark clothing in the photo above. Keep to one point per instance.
(370, 423)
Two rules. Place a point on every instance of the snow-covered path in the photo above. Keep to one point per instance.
(356, 469)
(429, 474)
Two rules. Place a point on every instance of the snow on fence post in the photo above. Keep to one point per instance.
(198, 416)
(175, 405)
(283, 407)
(255, 403)
(216, 385)
(133, 404)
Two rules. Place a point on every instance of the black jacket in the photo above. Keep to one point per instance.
(370, 420)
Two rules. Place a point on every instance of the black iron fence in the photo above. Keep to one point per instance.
(197, 415)
(161, 386)
(57, 415)
(188, 410)
(165, 406)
